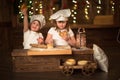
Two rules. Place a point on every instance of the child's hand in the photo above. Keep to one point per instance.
(40, 40)
(50, 41)
(24, 9)
(66, 37)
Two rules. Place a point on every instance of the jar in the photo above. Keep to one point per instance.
(81, 38)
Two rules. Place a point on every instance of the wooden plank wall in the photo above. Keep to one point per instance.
(5, 51)
(5, 36)
(5, 10)
(104, 37)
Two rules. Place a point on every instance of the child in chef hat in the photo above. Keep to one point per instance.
(61, 33)
(32, 33)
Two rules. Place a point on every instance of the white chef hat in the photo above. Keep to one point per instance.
(40, 18)
(61, 15)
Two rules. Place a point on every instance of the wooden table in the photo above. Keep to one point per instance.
(40, 61)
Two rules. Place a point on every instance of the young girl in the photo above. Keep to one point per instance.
(31, 32)
(61, 34)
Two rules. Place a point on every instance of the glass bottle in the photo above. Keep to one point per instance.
(81, 38)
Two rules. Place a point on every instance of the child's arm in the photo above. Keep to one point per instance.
(25, 21)
(40, 40)
(49, 39)
(72, 41)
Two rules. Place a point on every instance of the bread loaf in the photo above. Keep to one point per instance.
(63, 33)
(82, 62)
(38, 45)
(50, 46)
(70, 62)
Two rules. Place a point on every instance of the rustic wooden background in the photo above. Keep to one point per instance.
(11, 36)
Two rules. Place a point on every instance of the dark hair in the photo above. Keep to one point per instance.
(39, 26)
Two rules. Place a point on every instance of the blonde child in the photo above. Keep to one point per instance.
(61, 34)
(31, 32)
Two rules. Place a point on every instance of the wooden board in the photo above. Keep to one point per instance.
(54, 51)
(36, 64)
(82, 51)
(103, 20)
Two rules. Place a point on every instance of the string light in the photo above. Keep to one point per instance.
(86, 10)
(99, 7)
(21, 1)
(41, 7)
(112, 4)
(30, 6)
(74, 10)
(53, 8)
(20, 13)
(38, 8)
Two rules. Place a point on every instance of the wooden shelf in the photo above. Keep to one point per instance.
(48, 25)
(93, 26)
